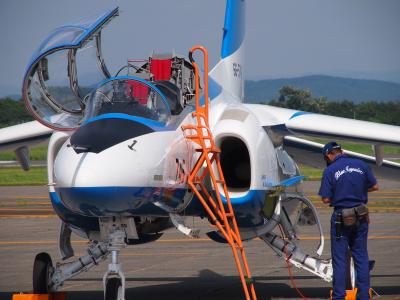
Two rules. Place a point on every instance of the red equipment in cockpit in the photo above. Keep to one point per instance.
(172, 74)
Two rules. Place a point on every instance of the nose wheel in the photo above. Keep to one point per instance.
(42, 270)
(114, 279)
(113, 289)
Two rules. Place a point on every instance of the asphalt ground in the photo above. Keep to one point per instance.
(176, 267)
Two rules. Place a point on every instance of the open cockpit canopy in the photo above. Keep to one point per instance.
(63, 70)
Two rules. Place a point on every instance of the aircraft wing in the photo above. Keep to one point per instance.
(287, 123)
(19, 138)
(309, 153)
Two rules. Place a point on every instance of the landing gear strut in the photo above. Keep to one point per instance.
(114, 278)
(47, 278)
(288, 249)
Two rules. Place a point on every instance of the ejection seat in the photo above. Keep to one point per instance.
(161, 68)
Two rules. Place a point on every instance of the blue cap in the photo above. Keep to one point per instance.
(329, 147)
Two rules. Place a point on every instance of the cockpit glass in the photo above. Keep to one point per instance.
(88, 70)
(50, 94)
(65, 68)
(56, 83)
(63, 35)
(128, 95)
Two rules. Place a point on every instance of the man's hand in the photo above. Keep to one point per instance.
(373, 188)
(326, 200)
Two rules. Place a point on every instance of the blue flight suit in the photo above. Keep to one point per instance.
(346, 182)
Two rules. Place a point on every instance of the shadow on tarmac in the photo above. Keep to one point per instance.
(212, 286)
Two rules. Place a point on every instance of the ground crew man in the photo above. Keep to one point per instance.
(345, 185)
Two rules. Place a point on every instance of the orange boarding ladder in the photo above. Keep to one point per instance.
(208, 164)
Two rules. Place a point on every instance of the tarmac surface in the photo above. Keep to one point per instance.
(176, 267)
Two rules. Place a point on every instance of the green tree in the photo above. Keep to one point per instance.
(374, 111)
(13, 112)
(294, 98)
(345, 109)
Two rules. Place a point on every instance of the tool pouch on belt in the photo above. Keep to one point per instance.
(351, 216)
(362, 212)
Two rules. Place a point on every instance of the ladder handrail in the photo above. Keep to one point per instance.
(197, 81)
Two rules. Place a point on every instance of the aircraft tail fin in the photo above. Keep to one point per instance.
(229, 70)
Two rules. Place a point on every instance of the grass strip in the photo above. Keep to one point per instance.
(16, 176)
(357, 147)
(311, 173)
(37, 153)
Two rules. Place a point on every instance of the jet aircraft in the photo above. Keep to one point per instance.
(119, 157)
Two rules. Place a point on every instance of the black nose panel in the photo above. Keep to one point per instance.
(104, 133)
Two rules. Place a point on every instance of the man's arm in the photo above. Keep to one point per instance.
(371, 181)
(325, 190)
(326, 200)
(373, 188)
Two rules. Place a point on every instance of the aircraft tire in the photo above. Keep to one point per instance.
(113, 289)
(42, 267)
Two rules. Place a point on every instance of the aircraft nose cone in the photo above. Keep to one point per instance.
(113, 152)
(110, 182)
(115, 165)
(104, 132)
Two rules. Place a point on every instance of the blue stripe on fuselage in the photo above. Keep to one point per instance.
(116, 200)
(249, 197)
(247, 208)
(85, 223)
(135, 201)
(155, 125)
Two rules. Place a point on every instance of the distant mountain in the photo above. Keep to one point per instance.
(334, 88)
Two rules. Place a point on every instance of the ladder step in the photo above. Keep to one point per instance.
(195, 136)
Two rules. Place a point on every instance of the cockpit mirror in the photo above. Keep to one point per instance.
(64, 70)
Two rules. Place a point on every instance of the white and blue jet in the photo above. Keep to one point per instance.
(118, 160)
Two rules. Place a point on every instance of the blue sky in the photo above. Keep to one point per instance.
(285, 38)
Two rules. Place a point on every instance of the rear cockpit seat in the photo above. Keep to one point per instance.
(161, 68)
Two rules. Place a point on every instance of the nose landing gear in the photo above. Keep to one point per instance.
(47, 278)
